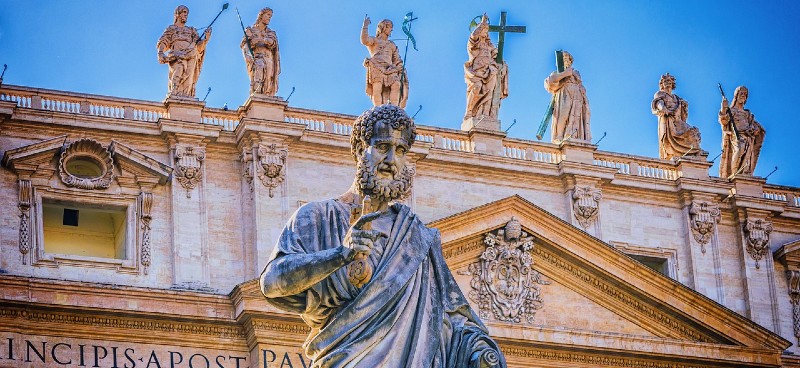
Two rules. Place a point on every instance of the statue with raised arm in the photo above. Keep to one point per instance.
(676, 138)
(571, 108)
(407, 310)
(487, 80)
(260, 48)
(386, 74)
(183, 50)
(741, 144)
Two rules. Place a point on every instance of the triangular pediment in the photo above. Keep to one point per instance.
(598, 297)
(30, 159)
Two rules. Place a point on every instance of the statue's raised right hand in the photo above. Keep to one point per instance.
(360, 241)
(366, 21)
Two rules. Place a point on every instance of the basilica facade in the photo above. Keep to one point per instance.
(134, 231)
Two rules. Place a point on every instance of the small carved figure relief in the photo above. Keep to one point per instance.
(571, 107)
(24, 219)
(183, 49)
(702, 217)
(487, 80)
(85, 164)
(586, 204)
(504, 284)
(260, 49)
(273, 166)
(757, 236)
(189, 161)
(386, 74)
(146, 217)
(793, 281)
(676, 138)
(742, 136)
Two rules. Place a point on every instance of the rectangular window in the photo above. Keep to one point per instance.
(84, 230)
(655, 263)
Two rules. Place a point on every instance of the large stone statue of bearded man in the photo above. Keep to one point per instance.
(183, 50)
(410, 312)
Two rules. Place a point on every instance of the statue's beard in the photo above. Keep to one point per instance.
(383, 190)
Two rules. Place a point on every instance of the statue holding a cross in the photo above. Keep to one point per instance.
(486, 74)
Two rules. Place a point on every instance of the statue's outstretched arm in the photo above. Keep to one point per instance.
(295, 273)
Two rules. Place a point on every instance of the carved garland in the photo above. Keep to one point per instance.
(503, 281)
(702, 216)
(757, 237)
(586, 204)
(146, 217)
(85, 164)
(272, 159)
(25, 219)
(189, 162)
(793, 278)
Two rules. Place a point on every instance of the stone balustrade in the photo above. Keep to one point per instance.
(342, 124)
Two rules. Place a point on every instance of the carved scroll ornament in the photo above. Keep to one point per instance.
(586, 204)
(24, 219)
(757, 237)
(504, 284)
(146, 217)
(702, 217)
(189, 162)
(793, 278)
(246, 158)
(272, 160)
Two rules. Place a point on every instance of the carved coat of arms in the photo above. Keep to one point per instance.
(189, 162)
(273, 166)
(703, 216)
(504, 284)
(757, 235)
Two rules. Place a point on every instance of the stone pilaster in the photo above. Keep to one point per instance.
(702, 213)
(757, 267)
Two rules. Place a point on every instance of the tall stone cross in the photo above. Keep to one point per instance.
(501, 31)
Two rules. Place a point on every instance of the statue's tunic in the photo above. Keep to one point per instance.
(410, 314)
(571, 109)
(739, 156)
(384, 66)
(265, 66)
(185, 58)
(675, 136)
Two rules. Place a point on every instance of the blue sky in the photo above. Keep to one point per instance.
(621, 49)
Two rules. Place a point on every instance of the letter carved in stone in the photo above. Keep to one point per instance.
(702, 216)
(793, 278)
(586, 201)
(146, 217)
(272, 159)
(757, 236)
(24, 219)
(189, 161)
(503, 281)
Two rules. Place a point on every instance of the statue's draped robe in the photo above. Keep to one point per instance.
(257, 67)
(740, 156)
(675, 136)
(487, 81)
(385, 67)
(411, 313)
(183, 72)
(571, 108)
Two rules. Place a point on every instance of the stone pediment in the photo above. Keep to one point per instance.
(41, 160)
(594, 297)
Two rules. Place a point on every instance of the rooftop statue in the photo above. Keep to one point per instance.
(386, 74)
(366, 274)
(571, 107)
(742, 136)
(183, 49)
(676, 138)
(260, 48)
(487, 79)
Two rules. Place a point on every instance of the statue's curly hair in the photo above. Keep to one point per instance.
(364, 126)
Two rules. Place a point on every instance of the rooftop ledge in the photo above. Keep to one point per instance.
(149, 112)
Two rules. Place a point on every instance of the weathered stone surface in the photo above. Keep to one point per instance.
(183, 49)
